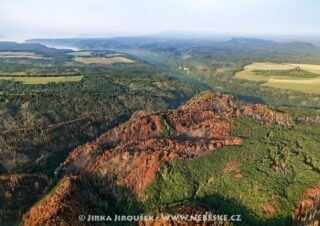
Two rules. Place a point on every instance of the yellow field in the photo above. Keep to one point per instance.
(307, 85)
(308, 67)
(20, 55)
(103, 60)
(43, 80)
(268, 66)
(252, 76)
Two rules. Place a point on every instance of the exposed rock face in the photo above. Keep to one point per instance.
(29, 150)
(231, 106)
(61, 206)
(130, 155)
(308, 211)
(309, 120)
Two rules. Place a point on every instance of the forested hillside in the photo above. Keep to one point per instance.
(41, 121)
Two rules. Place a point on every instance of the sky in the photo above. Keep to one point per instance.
(22, 19)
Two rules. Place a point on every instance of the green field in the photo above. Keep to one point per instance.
(43, 80)
(298, 77)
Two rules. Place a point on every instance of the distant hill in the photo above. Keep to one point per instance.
(142, 41)
(250, 42)
(32, 47)
(235, 49)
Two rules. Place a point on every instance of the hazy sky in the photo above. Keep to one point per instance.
(74, 18)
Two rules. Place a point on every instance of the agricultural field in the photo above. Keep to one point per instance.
(43, 80)
(298, 77)
(92, 54)
(312, 86)
(103, 60)
(30, 55)
(268, 66)
(308, 67)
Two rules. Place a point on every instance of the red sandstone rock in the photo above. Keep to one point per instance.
(131, 154)
(133, 151)
(307, 212)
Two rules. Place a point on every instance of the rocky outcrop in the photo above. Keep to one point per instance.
(61, 206)
(231, 107)
(308, 120)
(130, 155)
(308, 211)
